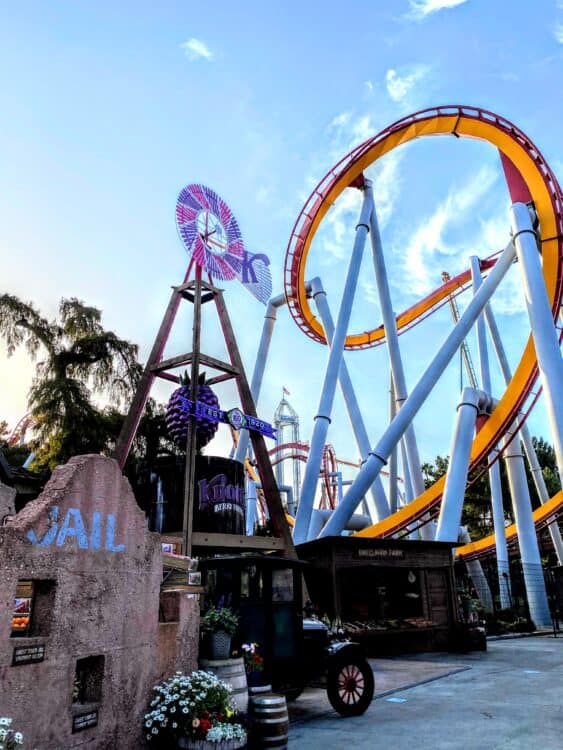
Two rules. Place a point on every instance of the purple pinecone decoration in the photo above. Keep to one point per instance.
(177, 418)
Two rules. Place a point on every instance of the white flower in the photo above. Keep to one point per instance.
(154, 730)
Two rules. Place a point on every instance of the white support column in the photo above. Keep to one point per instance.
(503, 568)
(396, 363)
(475, 570)
(250, 506)
(456, 477)
(259, 366)
(322, 419)
(393, 458)
(527, 540)
(544, 333)
(378, 506)
(524, 433)
(379, 455)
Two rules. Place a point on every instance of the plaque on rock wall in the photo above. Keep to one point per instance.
(28, 654)
(84, 721)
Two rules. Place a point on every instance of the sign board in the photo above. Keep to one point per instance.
(28, 654)
(379, 554)
(84, 721)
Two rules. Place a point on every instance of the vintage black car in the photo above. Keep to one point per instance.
(267, 594)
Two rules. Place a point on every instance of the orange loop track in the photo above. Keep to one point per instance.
(512, 143)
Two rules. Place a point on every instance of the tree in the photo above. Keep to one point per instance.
(82, 360)
(476, 515)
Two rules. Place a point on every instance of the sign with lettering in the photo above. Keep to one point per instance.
(98, 534)
(379, 554)
(234, 417)
(220, 506)
(84, 721)
(28, 654)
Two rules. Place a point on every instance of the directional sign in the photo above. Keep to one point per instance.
(234, 417)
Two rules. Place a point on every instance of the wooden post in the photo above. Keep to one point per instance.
(191, 439)
(131, 423)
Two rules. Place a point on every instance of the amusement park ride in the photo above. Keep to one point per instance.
(487, 425)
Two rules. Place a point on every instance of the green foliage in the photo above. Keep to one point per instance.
(219, 618)
(477, 516)
(82, 360)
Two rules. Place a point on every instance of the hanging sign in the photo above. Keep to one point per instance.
(212, 237)
(234, 417)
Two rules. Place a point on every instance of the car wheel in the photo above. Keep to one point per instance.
(350, 686)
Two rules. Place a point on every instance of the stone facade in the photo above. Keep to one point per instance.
(96, 573)
(7, 502)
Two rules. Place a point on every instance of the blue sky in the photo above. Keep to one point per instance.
(109, 109)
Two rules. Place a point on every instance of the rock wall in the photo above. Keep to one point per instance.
(7, 502)
(82, 674)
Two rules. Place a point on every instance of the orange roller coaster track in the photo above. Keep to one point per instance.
(526, 163)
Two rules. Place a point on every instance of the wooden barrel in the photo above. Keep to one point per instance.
(233, 673)
(269, 722)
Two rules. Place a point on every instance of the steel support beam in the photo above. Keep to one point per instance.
(379, 455)
(545, 337)
(322, 419)
(378, 507)
(503, 569)
(527, 540)
(396, 363)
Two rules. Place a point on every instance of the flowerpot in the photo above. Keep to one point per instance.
(220, 645)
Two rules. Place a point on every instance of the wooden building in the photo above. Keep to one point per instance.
(396, 596)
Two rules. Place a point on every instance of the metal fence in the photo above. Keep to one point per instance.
(480, 597)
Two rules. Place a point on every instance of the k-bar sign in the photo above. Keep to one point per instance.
(234, 417)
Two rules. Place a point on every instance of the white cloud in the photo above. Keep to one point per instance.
(195, 49)
(369, 86)
(399, 86)
(428, 248)
(419, 9)
(558, 32)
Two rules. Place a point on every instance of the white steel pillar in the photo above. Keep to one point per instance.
(524, 433)
(393, 458)
(322, 419)
(259, 365)
(250, 506)
(544, 333)
(527, 540)
(378, 507)
(475, 570)
(379, 455)
(503, 569)
(456, 478)
(390, 327)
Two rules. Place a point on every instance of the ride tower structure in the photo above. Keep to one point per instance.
(286, 420)
(534, 235)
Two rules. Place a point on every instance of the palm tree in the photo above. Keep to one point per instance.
(81, 360)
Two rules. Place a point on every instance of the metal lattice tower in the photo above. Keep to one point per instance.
(285, 417)
(465, 353)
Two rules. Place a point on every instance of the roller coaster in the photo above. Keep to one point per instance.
(486, 428)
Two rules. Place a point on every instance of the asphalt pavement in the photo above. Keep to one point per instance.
(508, 698)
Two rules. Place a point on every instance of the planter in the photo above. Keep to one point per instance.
(186, 743)
(220, 643)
